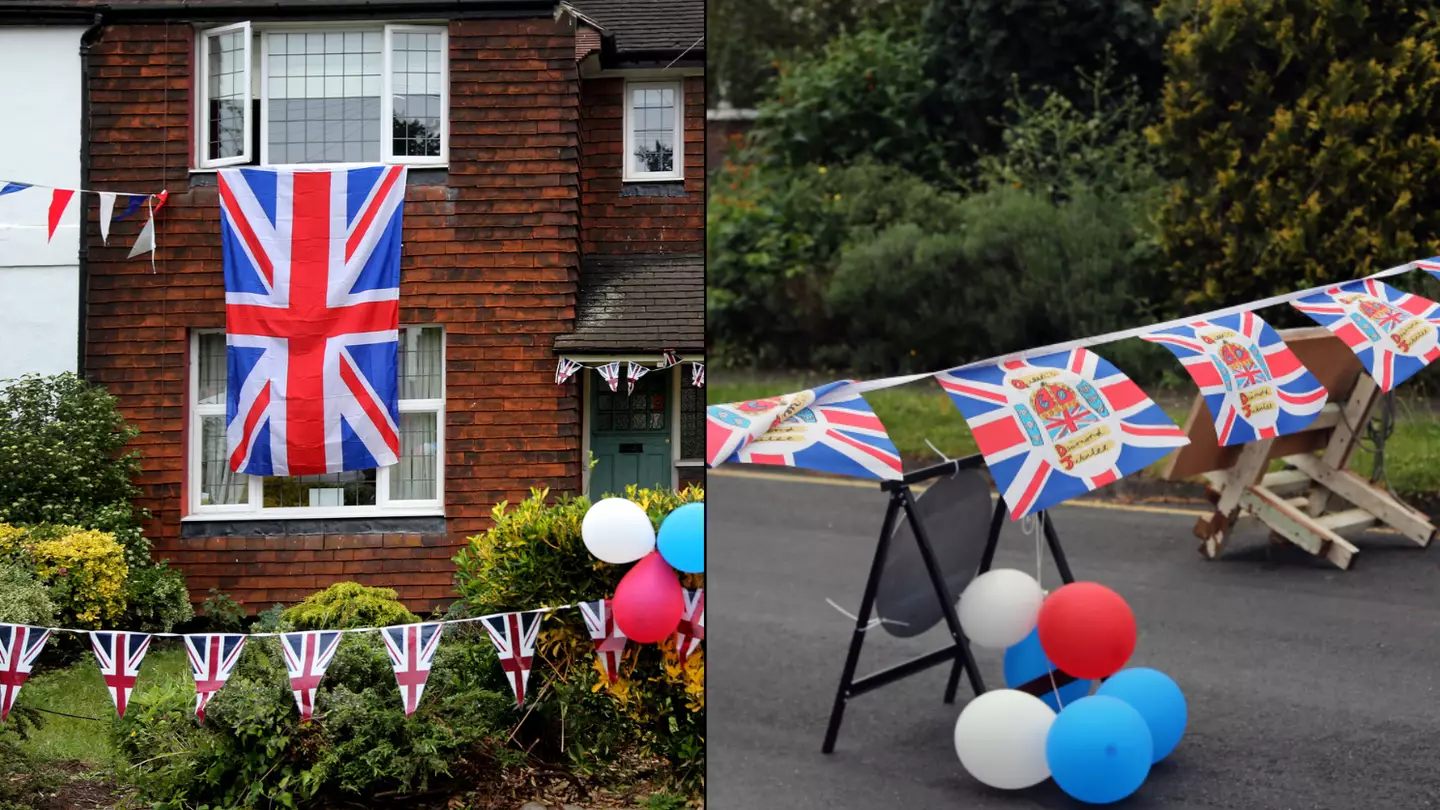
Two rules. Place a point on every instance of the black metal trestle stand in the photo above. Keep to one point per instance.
(958, 651)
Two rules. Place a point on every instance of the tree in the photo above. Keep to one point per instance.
(1302, 138)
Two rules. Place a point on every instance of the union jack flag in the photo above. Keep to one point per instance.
(20, 645)
(1430, 265)
(1392, 332)
(668, 358)
(830, 428)
(697, 375)
(307, 656)
(610, 372)
(412, 649)
(609, 639)
(212, 659)
(633, 373)
(312, 297)
(692, 626)
(1117, 429)
(514, 636)
(1254, 386)
(565, 369)
(120, 656)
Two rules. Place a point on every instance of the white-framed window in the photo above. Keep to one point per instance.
(654, 131)
(412, 486)
(327, 95)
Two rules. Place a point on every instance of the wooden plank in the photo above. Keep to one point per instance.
(1345, 436)
(1286, 482)
(1347, 521)
(1394, 513)
(1298, 527)
(1230, 484)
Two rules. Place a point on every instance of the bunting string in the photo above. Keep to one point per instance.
(610, 372)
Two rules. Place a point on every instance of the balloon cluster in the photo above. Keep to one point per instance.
(649, 601)
(1098, 748)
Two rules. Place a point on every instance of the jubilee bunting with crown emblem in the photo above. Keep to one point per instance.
(1392, 332)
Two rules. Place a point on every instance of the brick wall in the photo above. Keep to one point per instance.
(612, 223)
(491, 252)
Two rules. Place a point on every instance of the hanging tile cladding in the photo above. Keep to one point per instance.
(612, 223)
(492, 254)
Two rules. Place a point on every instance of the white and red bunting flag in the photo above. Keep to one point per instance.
(697, 375)
(212, 658)
(514, 636)
(668, 358)
(1254, 386)
(20, 645)
(565, 369)
(412, 650)
(610, 372)
(609, 639)
(633, 373)
(692, 625)
(307, 655)
(120, 656)
(1392, 332)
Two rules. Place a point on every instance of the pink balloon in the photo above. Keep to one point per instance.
(649, 601)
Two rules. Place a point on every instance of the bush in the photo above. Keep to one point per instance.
(223, 612)
(83, 569)
(349, 604)
(23, 599)
(157, 599)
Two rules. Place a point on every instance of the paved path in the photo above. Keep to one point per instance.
(1309, 688)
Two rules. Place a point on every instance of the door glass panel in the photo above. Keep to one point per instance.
(643, 410)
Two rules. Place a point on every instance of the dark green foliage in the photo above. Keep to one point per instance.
(1303, 138)
(222, 612)
(23, 598)
(24, 783)
(349, 604)
(156, 599)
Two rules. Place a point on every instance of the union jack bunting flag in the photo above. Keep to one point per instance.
(610, 372)
(312, 302)
(1393, 333)
(1430, 265)
(120, 656)
(697, 375)
(692, 626)
(514, 635)
(609, 639)
(1254, 386)
(565, 369)
(1058, 426)
(307, 655)
(212, 659)
(830, 428)
(20, 645)
(668, 359)
(633, 373)
(412, 649)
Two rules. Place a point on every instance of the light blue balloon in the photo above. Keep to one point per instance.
(1026, 661)
(682, 538)
(1158, 699)
(1099, 749)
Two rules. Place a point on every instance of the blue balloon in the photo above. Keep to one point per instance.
(1026, 661)
(1099, 749)
(1157, 698)
(682, 538)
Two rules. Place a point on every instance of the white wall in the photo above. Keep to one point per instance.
(39, 143)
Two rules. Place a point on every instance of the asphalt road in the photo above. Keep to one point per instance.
(1308, 687)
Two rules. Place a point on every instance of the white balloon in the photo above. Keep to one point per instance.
(618, 531)
(1000, 738)
(999, 608)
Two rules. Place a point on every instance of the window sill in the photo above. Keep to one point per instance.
(698, 462)
(244, 525)
(653, 188)
(417, 176)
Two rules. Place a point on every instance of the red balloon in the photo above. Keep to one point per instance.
(1087, 630)
(649, 601)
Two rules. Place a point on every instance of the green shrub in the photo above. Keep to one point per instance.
(349, 604)
(24, 782)
(157, 599)
(83, 569)
(223, 613)
(23, 599)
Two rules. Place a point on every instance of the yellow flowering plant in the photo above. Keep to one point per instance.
(84, 569)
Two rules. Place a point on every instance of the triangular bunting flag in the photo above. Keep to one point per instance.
(107, 212)
(1254, 386)
(412, 649)
(667, 359)
(145, 243)
(11, 188)
(831, 429)
(59, 201)
(307, 655)
(120, 656)
(633, 373)
(609, 639)
(514, 635)
(133, 203)
(1392, 332)
(611, 374)
(692, 626)
(20, 645)
(565, 369)
(212, 658)
(697, 375)
(1431, 265)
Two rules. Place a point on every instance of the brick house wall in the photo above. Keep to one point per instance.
(491, 252)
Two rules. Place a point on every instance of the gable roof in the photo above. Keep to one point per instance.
(639, 303)
(650, 26)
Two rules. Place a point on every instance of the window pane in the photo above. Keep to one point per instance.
(421, 375)
(355, 488)
(692, 419)
(416, 78)
(226, 95)
(218, 485)
(413, 476)
(332, 83)
(652, 122)
(212, 369)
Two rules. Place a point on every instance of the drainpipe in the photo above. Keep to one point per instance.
(87, 40)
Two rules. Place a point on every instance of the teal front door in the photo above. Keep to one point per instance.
(630, 435)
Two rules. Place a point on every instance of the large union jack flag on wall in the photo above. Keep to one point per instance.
(120, 656)
(1392, 332)
(514, 636)
(1254, 386)
(412, 650)
(312, 294)
(212, 658)
(1058, 426)
(307, 656)
(19, 647)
